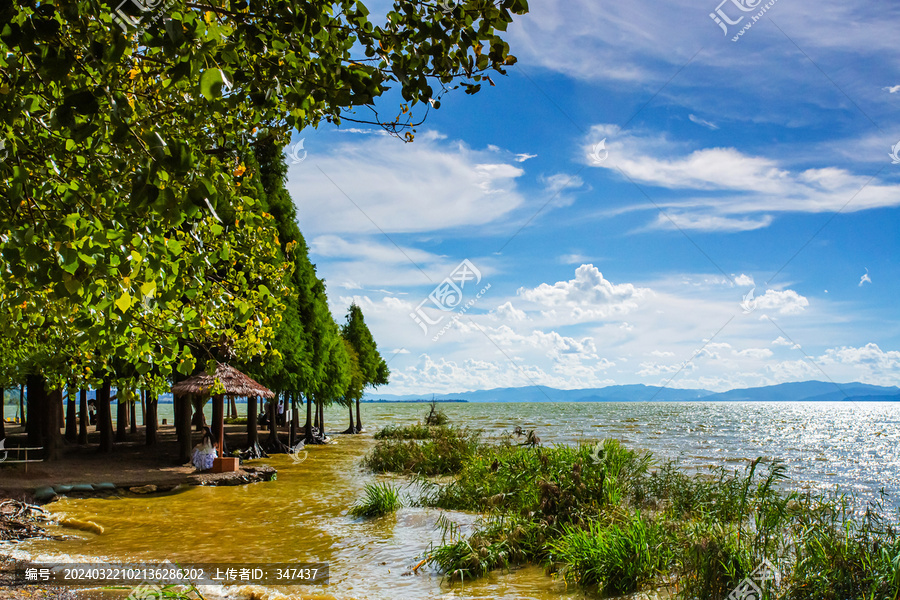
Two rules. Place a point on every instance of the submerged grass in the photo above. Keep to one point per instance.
(443, 452)
(609, 518)
(380, 499)
(416, 431)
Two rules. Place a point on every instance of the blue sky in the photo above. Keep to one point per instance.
(760, 165)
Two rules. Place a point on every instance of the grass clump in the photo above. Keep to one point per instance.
(405, 432)
(443, 453)
(618, 558)
(380, 499)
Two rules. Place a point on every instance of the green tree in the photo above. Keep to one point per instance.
(133, 242)
(122, 134)
(373, 369)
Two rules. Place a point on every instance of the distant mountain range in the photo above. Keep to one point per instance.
(805, 391)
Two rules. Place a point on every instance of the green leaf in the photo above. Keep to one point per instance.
(211, 83)
(124, 302)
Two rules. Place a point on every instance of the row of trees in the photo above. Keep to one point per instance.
(145, 230)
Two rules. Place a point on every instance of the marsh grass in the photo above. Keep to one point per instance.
(416, 431)
(444, 452)
(380, 499)
(611, 519)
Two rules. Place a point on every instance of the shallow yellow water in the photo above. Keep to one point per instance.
(302, 517)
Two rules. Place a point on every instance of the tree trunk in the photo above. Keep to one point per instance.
(293, 436)
(35, 414)
(133, 416)
(104, 416)
(358, 420)
(322, 419)
(183, 420)
(252, 422)
(218, 423)
(273, 431)
(150, 418)
(82, 418)
(199, 418)
(308, 426)
(233, 405)
(2, 417)
(317, 426)
(144, 395)
(60, 411)
(71, 416)
(121, 415)
(22, 404)
(52, 441)
(350, 428)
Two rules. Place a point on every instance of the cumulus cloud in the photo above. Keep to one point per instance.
(757, 353)
(744, 280)
(508, 312)
(786, 302)
(588, 296)
(869, 355)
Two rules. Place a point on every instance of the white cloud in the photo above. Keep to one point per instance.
(892, 89)
(869, 355)
(523, 157)
(662, 354)
(780, 341)
(744, 280)
(703, 122)
(372, 184)
(745, 188)
(757, 353)
(508, 312)
(588, 295)
(865, 278)
(787, 302)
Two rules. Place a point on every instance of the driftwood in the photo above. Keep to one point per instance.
(19, 520)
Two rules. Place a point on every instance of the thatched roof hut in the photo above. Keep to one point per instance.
(235, 383)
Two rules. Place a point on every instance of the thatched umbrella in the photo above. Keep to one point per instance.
(235, 385)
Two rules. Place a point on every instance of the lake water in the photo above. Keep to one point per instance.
(301, 517)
